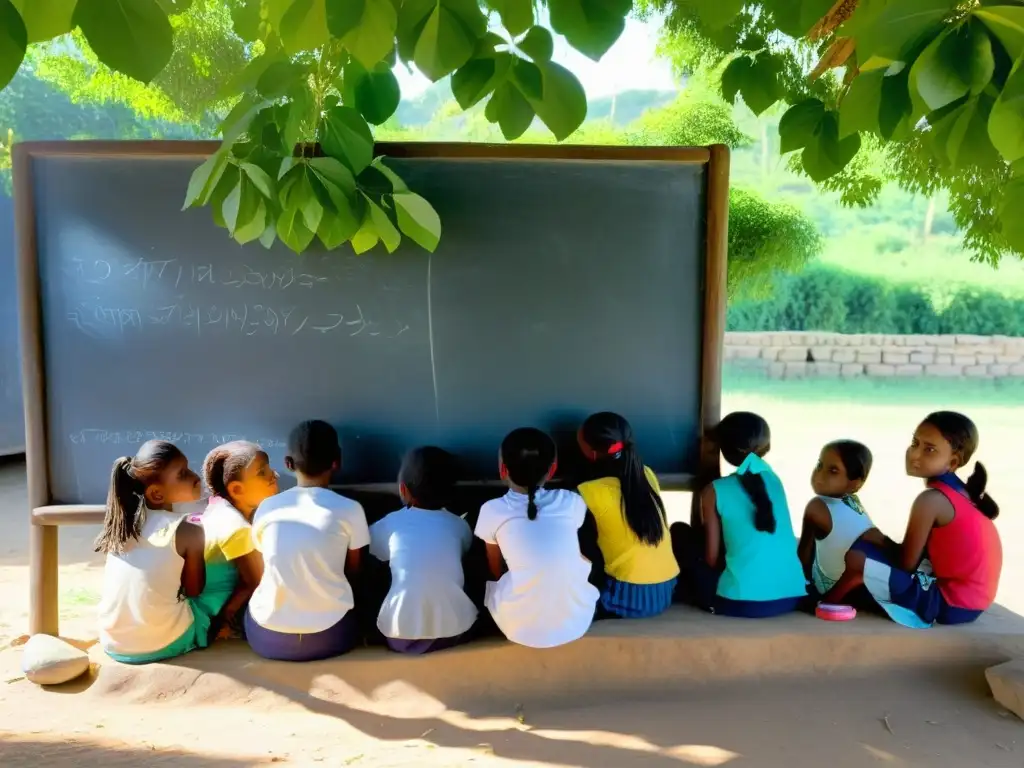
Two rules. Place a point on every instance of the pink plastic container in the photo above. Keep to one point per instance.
(830, 612)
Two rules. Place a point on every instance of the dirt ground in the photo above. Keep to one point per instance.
(898, 720)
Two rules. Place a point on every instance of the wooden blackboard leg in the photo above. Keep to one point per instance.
(43, 614)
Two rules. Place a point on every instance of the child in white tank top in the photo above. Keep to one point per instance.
(835, 519)
(155, 565)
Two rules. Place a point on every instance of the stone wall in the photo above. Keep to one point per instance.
(797, 355)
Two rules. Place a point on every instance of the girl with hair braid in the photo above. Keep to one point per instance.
(154, 569)
(545, 598)
(742, 561)
(632, 530)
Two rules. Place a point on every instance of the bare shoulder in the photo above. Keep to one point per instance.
(189, 537)
(933, 505)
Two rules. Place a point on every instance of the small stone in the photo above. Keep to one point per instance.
(1007, 684)
(49, 660)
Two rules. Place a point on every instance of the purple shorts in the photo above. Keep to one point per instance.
(286, 646)
(418, 647)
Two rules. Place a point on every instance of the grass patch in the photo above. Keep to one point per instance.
(924, 392)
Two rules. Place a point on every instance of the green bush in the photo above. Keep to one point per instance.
(827, 299)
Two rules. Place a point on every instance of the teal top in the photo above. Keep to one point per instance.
(759, 566)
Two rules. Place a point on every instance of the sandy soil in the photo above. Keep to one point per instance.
(895, 721)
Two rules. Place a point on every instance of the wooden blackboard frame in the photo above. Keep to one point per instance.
(45, 518)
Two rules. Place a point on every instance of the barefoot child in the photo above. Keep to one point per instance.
(835, 519)
(545, 598)
(426, 608)
(632, 530)
(950, 522)
(744, 562)
(240, 478)
(154, 568)
(312, 541)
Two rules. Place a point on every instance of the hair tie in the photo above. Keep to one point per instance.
(615, 448)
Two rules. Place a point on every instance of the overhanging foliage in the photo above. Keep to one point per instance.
(319, 72)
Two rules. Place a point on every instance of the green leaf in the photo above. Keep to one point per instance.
(292, 230)
(563, 106)
(246, 233)
(240, 206)
(718, 13)
(516, 15)
(1006, 123)
(895, 106)
(418, 220)
(795, 18)
(342, 221)
(260, 179)
(334, 173)
(374, 183)
(827, 155)
(479, 77)
(303, 26)
(861, 104)
(397, 185)
(44, 19)
(537, 44)
(228, 181)
(370, 35)
(269, 236)
(589, 26)
(961, 135)
(798, 125)
(757, 80)
(900, 24)
(375, 93)
(956, 63)
(1007, 24)
(240, 118)
(290, 116)
(13, 42)
(205, 178)
(346, 136)
(444, 45)
(133, 37)
(1010, 214)
(245, 19)
(386, 230)
(366, 236)
(510, 110)
(280, 77)
(312, 208)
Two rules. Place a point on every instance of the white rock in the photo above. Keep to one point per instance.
(48, 660)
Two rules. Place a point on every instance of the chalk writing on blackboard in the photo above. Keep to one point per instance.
(95, 319)
(150, 272)
(181, 439)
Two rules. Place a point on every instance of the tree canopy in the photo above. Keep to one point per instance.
(301, 73)
(926, 93)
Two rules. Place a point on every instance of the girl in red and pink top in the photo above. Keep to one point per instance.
(947, 568)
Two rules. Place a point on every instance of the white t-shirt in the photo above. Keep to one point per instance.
(424, 548)
(305, 535)
(545, 599)
(139, 610)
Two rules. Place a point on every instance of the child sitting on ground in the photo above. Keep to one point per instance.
(835, 519)
(632, 530)
(239, 476)
(312, 541)
(426, 608)
(742, 560)
(545, 598)
(154, 568)
(951, 521)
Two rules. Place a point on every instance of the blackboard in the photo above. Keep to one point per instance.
(12, 416)
(560, 287)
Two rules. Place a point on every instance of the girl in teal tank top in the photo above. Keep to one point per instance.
(741, 553)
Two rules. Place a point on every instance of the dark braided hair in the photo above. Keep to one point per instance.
(226, 463)
(962, 436)
(527, 455)
(129, 479)
(429, 475)
(740, 434)
(611, 437)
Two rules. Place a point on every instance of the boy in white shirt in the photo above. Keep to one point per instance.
(312, 540)
(426, 608)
